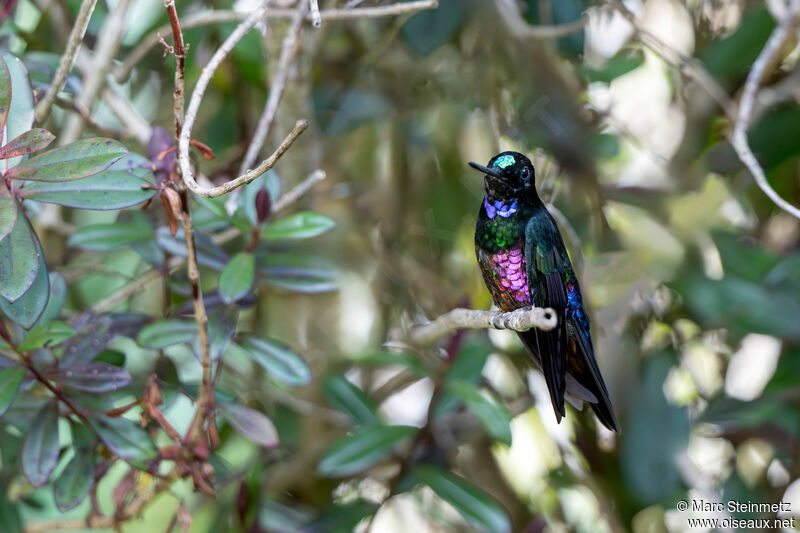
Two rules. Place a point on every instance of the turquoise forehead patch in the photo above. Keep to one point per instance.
(504, 161)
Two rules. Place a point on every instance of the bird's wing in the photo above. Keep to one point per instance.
(582, 363)
(545, 275)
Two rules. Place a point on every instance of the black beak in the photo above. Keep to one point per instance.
(486, 170)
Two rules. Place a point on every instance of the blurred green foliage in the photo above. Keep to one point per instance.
(692, 276)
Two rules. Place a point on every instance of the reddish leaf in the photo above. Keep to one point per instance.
(71, 162)
(27, 143)
(5, 96)
(41, 446)
(252, 424)
(242, 501)
(124, 487)
(172, 205)
(204, 149)
(93, 377)
(263, 205)
(184, 518)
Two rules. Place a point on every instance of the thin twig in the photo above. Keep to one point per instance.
(131, 510)
(513, 19)
(777, 41)
(127, 114)
(95, 70)
(518, 320)
(217, 17)
(149, 276)
(289, 48)
(688, 65)
(298, 191)
(179, 51)
(71, 105)
(67, 60)
(200, 316)
(194, 432)
(316, 18)
(194, 107)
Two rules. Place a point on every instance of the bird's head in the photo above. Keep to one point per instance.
(508, 176)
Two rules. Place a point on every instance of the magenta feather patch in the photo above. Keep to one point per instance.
(510, 268)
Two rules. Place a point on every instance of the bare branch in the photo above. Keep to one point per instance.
(518, 320)
(289, 48)
(298, 191)
(194, 107)
(150, 276)
(131, 510)
(204, 400)
(126, 113)
(688, 65)
(512, 17)
(179, 50)
(95, 70)
(316, 18)
(70, 105)
(67, 60)
(244, 179)
(216, 17)
(777, 41)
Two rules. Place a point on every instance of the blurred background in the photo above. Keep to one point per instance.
(691, 274)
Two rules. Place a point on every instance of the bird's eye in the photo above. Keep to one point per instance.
(525, 172)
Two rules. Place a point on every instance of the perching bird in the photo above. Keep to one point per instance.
(524, 262)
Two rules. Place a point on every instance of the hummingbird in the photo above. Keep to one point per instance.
(524, 263)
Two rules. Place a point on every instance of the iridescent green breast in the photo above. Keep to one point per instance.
(500, 233)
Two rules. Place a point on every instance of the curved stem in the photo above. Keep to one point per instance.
(67, 60)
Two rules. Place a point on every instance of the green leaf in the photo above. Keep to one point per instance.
(56, 299)
(20, 114)
(407, 360)
(75, 481)
(733, 54)
(467, 367)
(362, 449)
(615, 67)
(221, 327)
(476, 506)
(10, 380)
(298, 226)
(9, 515)
(71, 162)
(738, 305)
(5, 96)
(49, 334)
(209, 254)
(351, 400)
(41, 446)
(19, 260)
(28, 308)
(163, 333)
(277, 359)
(237, 277)
(492, 415)
(125, 439)
(8, 213)
(105, 237)
(94, 377)
(431, 28)
(252, 424)
(101, 192)
(296, 271)
(648, 449)
(27, 143)
(342, 518)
